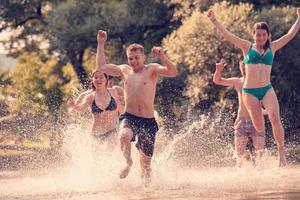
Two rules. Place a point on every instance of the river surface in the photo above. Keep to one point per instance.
(191, 166)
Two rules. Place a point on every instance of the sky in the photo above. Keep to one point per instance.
(6, 62)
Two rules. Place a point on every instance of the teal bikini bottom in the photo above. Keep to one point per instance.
(259, 93)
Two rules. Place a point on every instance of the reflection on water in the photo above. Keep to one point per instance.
(194, 165)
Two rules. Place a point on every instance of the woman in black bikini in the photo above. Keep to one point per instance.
(104, 104)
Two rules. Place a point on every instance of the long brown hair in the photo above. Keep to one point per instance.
(264, 26)
(93, 74)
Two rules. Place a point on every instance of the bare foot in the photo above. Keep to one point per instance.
(282, 161)
(281, 157)
(124, 172)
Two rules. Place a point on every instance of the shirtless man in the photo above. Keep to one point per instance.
(139, 90)
(243, 126)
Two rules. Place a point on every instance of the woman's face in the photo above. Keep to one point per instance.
(260, 37)
(99, 79)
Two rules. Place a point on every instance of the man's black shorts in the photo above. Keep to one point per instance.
(144, 128)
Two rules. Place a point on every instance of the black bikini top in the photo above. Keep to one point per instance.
(111, 106)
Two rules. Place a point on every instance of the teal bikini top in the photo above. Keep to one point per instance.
(254, 57)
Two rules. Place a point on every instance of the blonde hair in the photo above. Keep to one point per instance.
(135, 47)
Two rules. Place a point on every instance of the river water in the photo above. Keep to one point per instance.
(193, 165)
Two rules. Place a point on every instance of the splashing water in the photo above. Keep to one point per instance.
(196, 163)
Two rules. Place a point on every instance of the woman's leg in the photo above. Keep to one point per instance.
(272, 106)
(145, 162)
(254, 108)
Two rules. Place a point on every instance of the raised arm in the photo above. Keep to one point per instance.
(281, 42)
(110, 69)
(219, 80)
(168, 69)
(236, 41)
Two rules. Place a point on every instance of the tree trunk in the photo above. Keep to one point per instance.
(76, 61)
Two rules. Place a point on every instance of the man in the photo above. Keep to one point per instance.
(243, 126)
(110, 82)
(139, 82)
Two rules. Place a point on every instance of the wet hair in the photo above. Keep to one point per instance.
(135, 47)
(263, 26)
(93, 74)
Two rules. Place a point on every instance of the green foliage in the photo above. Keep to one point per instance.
(25, 19)
(184, 9)
(5, 81)
(198, 47)
(36, 85)
(69, 28)
(261, 4)
(74, 24)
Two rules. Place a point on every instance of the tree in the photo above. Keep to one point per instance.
(5, 81)
(198, 47)
(25, 21)
(184, 9)
(37, 87)
(68, 28)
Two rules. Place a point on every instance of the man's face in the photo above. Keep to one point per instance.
(136, 59)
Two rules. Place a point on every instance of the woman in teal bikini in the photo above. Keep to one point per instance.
(257, 87)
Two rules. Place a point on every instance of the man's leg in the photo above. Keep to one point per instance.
(259, 145)
(145, 162)
(126, 135)
(240, 149)
(145, 145)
